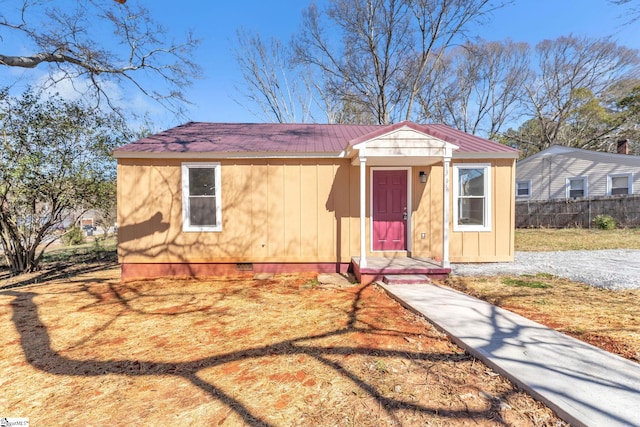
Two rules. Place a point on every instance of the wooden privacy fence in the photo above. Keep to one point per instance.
(578, 212)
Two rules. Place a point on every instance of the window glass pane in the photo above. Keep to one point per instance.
(202, 182)
(576, 184)
(619, 185)
(471, 211)
(523, 188)
(619, 181)
(471, 182)
(202, 211)
(576, 187)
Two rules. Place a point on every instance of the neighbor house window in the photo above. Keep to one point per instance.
(576, 187)
(201, 197)
(523, 188)
(619, 184)
(472, 201)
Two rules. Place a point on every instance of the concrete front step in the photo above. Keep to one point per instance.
(406, 279)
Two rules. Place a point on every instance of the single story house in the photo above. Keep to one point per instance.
(567, 173)
(205, 199)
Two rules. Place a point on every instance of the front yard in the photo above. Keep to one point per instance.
(87, 350)
(80, 348)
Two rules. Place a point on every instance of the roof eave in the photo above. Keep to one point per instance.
(218, 155)
(485, 155)
(315, 155)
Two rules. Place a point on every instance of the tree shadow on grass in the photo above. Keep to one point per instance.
(37, 347)
(82, 263)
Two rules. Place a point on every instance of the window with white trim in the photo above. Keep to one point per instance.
(620, 183)
(201, 210)
(577, 187)
(472, 197)
(523, 188)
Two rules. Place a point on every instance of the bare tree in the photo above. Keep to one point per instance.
(478, 87)
(438, 25)
(364, 60)
(271, 82)
(574, 73)
(351, 44)
(68, 37)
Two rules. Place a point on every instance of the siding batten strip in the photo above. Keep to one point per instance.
(363, 205)
(445, 214)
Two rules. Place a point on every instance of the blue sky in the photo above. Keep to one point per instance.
(216, 22)
(526, 20)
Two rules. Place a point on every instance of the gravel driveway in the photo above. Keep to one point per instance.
(611, 269)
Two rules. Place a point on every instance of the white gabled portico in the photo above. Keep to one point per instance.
(402, 146)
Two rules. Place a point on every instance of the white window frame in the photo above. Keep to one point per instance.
(528, 182)
(629, 177)
(487, 196)
(186, 226)
(585, 186)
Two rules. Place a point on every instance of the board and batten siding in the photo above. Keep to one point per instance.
(427, 208)
(548, 174)
(498, 243)
(272, 211)
(293, 211)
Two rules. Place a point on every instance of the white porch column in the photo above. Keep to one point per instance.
(363, 209)
(445, 214)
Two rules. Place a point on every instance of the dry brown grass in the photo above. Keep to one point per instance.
(88, 350)
(546, 239)
(604, 318)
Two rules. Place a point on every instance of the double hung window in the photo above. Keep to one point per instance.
(523, 189)
(472, 197)
(576, 187)
(619, 184)
(201, 209)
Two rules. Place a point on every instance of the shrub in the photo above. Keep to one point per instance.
(74, 236)
(605, 222)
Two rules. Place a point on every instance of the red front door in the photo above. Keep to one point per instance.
(389, 210)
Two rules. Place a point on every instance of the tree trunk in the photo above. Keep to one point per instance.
(19, 258)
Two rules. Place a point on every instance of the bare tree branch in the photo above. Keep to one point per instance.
(478, 87)
(270, 81)
(568, 66)
(71, 42)
(632, 13)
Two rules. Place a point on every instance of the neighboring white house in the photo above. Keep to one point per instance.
(564, 173)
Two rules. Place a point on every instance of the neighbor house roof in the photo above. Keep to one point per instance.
(596, 156)
(235, 139)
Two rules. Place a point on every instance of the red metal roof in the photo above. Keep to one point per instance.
(201, 137)
(468, 143)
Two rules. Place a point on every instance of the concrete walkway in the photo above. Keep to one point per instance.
(584, 385)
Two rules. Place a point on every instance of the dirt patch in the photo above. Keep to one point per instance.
(89, 350)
